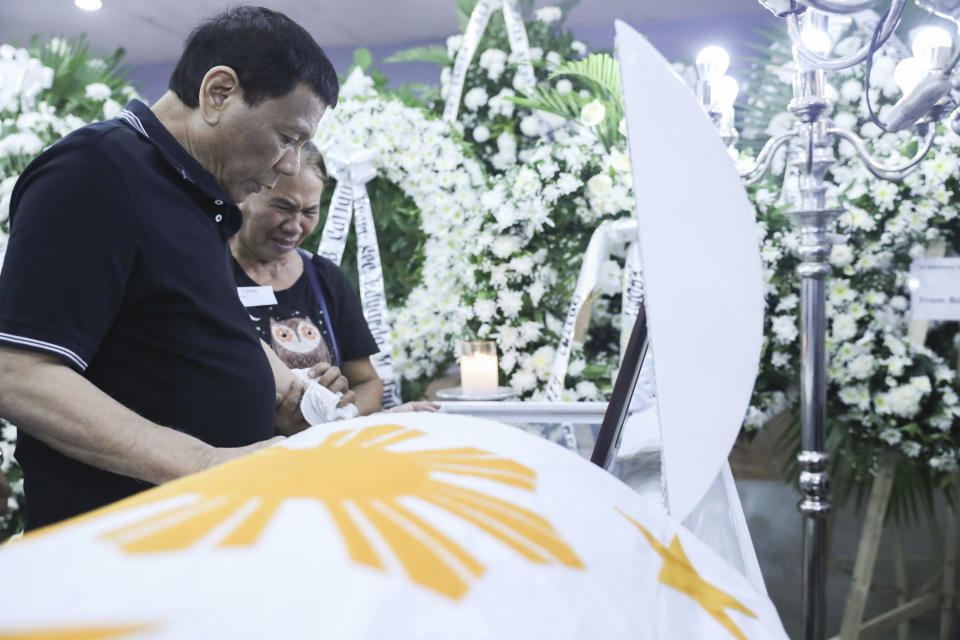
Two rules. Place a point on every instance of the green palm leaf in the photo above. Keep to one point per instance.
(599, 70)
(567, 105)
(435, 53)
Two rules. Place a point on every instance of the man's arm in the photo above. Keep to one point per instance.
(289, 393)
(53, 403)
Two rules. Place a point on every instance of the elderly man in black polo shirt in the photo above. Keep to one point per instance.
(126, 358)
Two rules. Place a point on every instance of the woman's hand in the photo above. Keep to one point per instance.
(333, 379)
(416, 405)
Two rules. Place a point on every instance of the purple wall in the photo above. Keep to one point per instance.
(676, 40)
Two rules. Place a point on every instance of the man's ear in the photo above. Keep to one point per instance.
(220, 87)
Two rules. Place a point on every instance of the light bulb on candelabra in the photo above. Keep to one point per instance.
(815, 33)
(931, 46)
(725, 92)
(830, 93)
(815, 39)
(908, 74)
(929, 37)
(712, 62)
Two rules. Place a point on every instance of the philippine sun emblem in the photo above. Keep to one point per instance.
(357, 478)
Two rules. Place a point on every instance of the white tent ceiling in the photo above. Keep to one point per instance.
(153, 30)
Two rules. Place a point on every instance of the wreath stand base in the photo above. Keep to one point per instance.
(938, 591)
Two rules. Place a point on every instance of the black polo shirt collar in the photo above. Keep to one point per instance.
(223, 212)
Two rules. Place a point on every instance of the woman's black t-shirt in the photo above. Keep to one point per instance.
(295, 327)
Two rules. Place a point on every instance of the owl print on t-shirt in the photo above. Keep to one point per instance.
(298, 342)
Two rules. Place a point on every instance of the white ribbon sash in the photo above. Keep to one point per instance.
(632, 294)
(586, 291)
(476, 26)
(353, 169)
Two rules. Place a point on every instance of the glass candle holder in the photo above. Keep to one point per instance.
(479, 373)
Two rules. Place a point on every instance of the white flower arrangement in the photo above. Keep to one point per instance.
(884, 391)
(426, 158)
(31, 119)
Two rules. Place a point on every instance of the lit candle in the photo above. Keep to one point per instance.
(478, 368)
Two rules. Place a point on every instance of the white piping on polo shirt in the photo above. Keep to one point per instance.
(46, 346)
(131, 118)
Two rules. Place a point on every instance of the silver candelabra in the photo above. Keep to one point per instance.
(928, 83)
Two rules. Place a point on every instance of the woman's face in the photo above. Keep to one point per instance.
(275, 221)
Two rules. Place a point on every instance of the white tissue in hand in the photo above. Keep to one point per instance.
(319, 404)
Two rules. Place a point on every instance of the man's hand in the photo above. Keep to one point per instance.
(219, 455)
(289, 420)
(331, 377)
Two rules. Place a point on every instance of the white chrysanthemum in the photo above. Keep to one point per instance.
(485, 309)
(903, 401)
(475, 98)
(910, 448)
(862, 366)
(891, 436)
(839, 291)
(921, 383)
(785, 329)
(884, 194)
(481, 133)
(844, 327)
(536, 291)
(543, 361)
(841, 255)
(510, 302)
(97, 91)
(788, 303)
(111, 109)
(945, 463)
(530, 126)
(755, 417)
(505, 246)
(524, 380)
(780, 359)
(899, 303)
(563, 86)
(549, 14)
(21, 143)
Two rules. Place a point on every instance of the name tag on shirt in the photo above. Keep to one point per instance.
(256, 296)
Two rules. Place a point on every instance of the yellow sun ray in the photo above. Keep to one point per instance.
(421, 549)
(678, 573)
(248, 531)
(371, 434)
(511, 525)
(357, 545)
(77, 633)
(355, 467)
(186, 533)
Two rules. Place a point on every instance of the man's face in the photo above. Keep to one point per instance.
(256, 145)
(275, 221)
